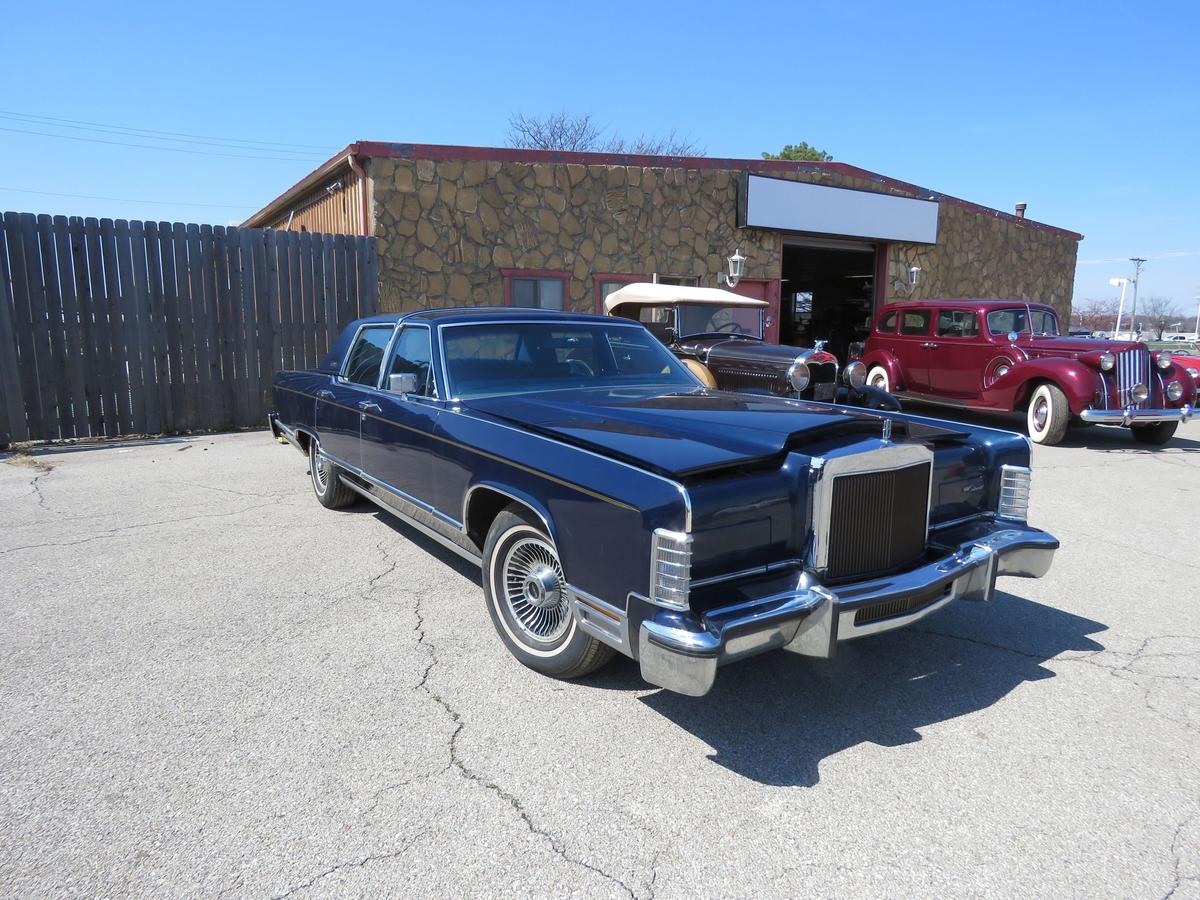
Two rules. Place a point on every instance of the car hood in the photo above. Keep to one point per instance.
(681, 432)
(1064, 346)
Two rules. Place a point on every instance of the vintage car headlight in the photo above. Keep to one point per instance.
(1014, 493)
(1140, 393)
(1163, 360)
(670, 568)
(1108, 359)
(1174, 391)
(798, 375)
(855, 374)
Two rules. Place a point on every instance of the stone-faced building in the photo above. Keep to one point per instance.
(825, 243)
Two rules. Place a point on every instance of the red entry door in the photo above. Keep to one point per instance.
(761, 289)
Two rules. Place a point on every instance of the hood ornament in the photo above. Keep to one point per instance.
(887, 431)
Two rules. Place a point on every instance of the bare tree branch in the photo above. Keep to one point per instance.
(1156, 314)
(566, 131)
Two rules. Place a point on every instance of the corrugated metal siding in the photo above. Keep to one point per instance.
(333, 208)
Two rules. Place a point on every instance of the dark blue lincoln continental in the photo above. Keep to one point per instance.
(617, 504)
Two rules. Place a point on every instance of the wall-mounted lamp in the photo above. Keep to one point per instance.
(914, 277)
(737, 263)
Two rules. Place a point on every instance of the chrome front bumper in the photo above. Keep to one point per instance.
(681, 651)
(1132, 416)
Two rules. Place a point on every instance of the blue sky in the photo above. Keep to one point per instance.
(1090, 112)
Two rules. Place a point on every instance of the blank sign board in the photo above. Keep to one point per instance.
(798, 206)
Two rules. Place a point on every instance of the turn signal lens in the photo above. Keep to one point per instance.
(799, 376)
(1174, 391)
(1140, 393)
(1163, 360)
(855, 374)
(1107, 360)
(670, 568)
(1014, 493)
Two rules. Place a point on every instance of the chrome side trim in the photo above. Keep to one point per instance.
(475, 487)
(747, 573)
(392, 489)
(411, 520)
(600, 619)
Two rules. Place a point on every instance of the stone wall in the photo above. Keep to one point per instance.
(447, 228)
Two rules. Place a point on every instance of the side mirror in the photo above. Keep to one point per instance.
(405, 383)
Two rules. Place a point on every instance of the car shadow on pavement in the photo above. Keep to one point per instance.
(776, 717)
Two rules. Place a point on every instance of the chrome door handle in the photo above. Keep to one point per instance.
(369, 406)
(324, 395)
(930, 345)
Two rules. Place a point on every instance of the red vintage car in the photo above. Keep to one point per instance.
(1008, 356)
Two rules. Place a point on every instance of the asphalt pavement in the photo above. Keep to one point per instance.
(211, 686)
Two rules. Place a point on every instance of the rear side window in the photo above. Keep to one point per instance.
(954, 323)
(366, 356)
(915, 321)
(888, 323)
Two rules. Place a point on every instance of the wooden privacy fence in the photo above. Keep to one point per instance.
(114, 327)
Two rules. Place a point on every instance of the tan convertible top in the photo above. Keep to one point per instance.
(666, 294)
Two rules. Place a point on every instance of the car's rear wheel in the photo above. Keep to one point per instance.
(1048, 414)
(328, 487)
(878, 378)
(527, 599)
(1158, 433)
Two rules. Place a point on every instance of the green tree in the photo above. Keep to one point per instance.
(803, 151)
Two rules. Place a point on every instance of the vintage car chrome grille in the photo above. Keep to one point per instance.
(738, 379)
(823, 373)
(877, 520)
(1133, 368)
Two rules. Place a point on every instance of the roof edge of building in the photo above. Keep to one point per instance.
(436, 152)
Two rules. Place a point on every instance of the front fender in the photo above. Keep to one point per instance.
(513, 493)
(1074, 378)
(889, 364)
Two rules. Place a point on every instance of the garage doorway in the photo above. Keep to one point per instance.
(827, 292)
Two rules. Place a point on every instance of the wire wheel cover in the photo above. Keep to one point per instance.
(533, 590)
(320, 469)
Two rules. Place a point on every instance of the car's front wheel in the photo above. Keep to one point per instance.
(328, 487)
(527, 599)
(878, 378)
(1158, 433)
(1048, 414)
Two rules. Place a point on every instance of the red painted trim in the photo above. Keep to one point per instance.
(598, 277)
(510, 274)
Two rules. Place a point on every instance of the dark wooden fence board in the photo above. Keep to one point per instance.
(116, 327)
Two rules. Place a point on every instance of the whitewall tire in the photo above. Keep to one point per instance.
(878, 378)
(1048, 414)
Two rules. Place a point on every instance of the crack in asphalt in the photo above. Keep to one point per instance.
(1177, 878)
(350, 864)
(113, 532)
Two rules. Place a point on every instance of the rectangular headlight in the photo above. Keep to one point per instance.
(1014, 493)
(670, 568)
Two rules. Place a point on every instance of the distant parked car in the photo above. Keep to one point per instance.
(719, 336)
(1009, 356)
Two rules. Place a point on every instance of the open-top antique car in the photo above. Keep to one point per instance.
(719, 336)
(1008, 356)
(616, 504)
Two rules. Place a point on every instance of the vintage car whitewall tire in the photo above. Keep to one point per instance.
(330, 491)
(878, 378)
(1048, 414)
(525, 590)
(1158, 433)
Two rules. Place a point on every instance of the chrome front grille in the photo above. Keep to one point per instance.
(823, 373)
(1133, 368)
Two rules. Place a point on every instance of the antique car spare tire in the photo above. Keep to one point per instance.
(878, 378)
(328, 487)
(1048, 414)
(701, 371)
(527, 599)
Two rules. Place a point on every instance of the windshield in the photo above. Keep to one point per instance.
(1002, 321)
(498, 358)
(703, 318)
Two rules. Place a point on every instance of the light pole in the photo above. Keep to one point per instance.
(1123, 283)
(1198, 318)
(1138, 262)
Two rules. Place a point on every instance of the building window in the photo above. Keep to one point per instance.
(543, 290)
(606, 284)
(685, 280)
